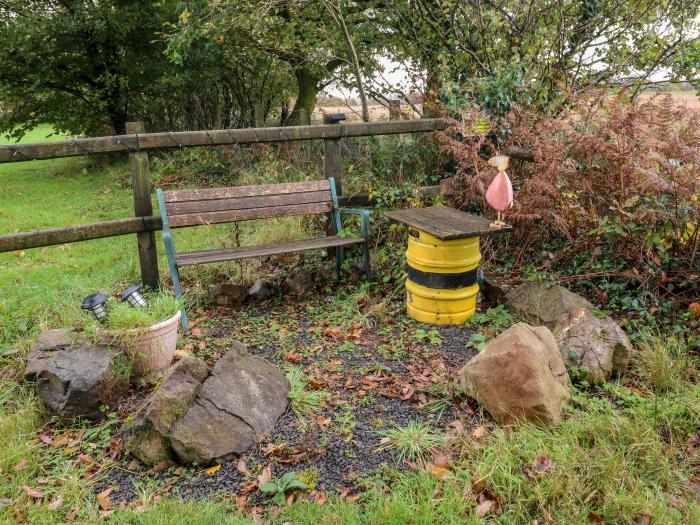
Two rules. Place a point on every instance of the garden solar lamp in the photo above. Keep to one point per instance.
(134, 297)
(95, 304)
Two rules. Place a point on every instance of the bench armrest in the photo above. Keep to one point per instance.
(364, 219)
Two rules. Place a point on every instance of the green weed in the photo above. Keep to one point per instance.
(415, 442)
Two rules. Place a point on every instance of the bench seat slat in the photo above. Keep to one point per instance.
(217, 217)
(233, 192)
(264, 250)
(243, 203)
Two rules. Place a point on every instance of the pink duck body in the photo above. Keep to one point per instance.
(500, 192)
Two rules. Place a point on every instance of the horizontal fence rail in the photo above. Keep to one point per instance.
(136, 142)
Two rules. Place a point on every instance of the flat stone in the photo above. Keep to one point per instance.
(262, 290)
(539, 303)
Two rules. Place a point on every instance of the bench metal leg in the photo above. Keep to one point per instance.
(178, 294)
(175, 274)
(368, 268)
(339, 256)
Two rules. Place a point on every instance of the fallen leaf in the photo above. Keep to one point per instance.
(265, 475)
(644, 519)
(332, 333)
(478, 433)
(103, 499)
(196, 332)
(323, 422)
(542, 463)
(34, 493)
(56, 503)
(485, 508)
(162, 465)
(179, 470)
(292, 357)
(72, 514)
(45, 438)
(189, 347)
(438, 471)
(85, 459)
(241, 502)
(242, 468)
(248, 487)
(595, 518)
(212, 470)
(694, 309)
(21, 465)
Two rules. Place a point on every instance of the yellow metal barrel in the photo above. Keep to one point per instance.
(442, 278)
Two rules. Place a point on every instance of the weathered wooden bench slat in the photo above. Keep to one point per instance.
(245, 191)
(243, 203)
(264, 250)
(217, 217)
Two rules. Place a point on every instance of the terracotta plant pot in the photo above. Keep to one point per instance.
(151, 348)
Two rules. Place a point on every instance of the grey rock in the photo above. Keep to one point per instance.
(200, 416)
(74, 377)
(596, 346)
(539, 303)
(262, 290)
(147, 436)
(228, 294)
(519, 375)
(300, 282)
(248, 395)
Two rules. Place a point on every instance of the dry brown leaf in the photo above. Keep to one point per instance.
(323, 422)
(32, 492)
(292, 357)
(103, 499)
(248, 487)
(485, 508)
(265, 475)
(162, 465)
(196, 332)
(542, 463)
(56, 503)
(242, 467)
(21, 465)
(478, 433)
(595, 518)
(644, 519)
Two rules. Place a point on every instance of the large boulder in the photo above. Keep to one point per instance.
(200, 416)
(146, 436)
(596, 346)
(519, 375)
(74, 377)
(541, 303)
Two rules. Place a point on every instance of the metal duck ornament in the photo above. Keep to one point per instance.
(499, 194)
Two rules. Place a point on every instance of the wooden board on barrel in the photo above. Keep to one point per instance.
(443, 261)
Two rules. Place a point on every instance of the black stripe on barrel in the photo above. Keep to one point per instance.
(443, 281)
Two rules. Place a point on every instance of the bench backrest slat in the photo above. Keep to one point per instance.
(246, 191)
(240, 203)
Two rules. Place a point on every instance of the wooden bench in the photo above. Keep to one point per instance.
(198, 207)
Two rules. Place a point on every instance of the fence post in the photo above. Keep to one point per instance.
(142, 187)
(331, 159)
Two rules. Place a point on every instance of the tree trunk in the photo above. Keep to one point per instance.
(307, 89)
(338, 16)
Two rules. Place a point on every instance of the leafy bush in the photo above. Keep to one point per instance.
(612, 179)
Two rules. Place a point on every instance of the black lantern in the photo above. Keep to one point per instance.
(95, 304)
(133, 297)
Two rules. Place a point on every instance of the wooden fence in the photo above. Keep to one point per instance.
(137, 144)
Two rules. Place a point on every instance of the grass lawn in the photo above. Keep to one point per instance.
(625, 452)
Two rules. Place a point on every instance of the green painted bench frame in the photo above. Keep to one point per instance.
(186, 208)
